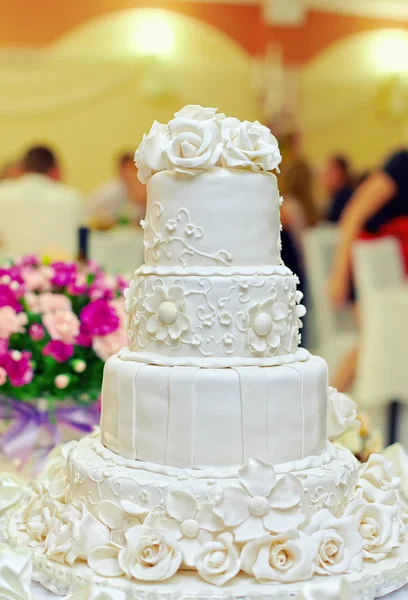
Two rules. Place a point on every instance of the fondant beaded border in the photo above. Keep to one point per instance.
(265, 270)
(311, 462)
(301, 355)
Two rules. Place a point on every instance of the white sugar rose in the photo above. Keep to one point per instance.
(283, 558)
(376, 478)
(248, 145)
(194, 145)
(150, 555)
(218, 561)
(150, 157)
(339, 544)
(341, 414)
(199, 113)
(76, 535)
(378, 525)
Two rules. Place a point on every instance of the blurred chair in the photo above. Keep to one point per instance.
(382, 369)
(119, 250)
(334, 331)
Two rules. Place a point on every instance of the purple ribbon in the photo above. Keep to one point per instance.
(28, 423)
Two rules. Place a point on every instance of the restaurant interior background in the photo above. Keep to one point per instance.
(88, 78)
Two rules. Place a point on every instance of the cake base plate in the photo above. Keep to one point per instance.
(374, 581)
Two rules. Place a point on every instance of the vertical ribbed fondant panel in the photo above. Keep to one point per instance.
(127, 409)
(109, 417)
(254, 411)
(218, 424)
(284, 413)
(152, 406)
(180, 431)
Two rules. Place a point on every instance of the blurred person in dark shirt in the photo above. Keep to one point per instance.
(378, 208)
(337, 181)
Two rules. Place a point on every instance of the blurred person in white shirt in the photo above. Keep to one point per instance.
(38, 213)
(122, 198)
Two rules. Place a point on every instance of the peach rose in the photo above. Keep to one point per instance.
(62, 325)
(11, 322)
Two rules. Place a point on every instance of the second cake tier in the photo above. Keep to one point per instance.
(194, 417)
(214, 317)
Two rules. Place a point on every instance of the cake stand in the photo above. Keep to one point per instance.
(374, 581)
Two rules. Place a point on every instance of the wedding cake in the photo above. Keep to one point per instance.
(213, 463)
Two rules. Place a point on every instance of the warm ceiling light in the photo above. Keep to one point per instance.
(154, 35)
(390, 53)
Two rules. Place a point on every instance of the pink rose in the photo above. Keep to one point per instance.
(108, 345)
(36, 280)
(33, 302)
(3, 376)
(54, 302)
(119, 306)
(11, 322)
(62, 325)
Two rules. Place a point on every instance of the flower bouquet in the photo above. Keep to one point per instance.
(59, 322)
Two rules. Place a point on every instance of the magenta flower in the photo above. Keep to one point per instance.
(29, 261)
(99, 318)
(36, 332)
(84, 338)
(3, 346)
(18, 367)
(9, 298)
(77, 288)
(59, 351)
(63, 274)
(122, 284)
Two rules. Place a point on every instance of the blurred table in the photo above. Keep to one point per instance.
(118, 250)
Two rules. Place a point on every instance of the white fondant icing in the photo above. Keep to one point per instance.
(224, 217)
(165, 415)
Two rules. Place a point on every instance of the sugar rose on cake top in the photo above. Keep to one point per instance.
(199, 138)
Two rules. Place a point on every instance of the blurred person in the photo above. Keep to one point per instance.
(11, 170)
(378, 208)
(337, 181)
(122, 197)
(297, 178)
(39, 213)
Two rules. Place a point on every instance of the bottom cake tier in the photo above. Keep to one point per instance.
(120, 518)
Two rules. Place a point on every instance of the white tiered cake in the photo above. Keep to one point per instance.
(213, 454)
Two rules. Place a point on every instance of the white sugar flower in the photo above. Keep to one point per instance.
(167, 309)
(195, 143)
(263, 503)
(76, 534)
(150, 555)
(199, 113)
(11, 491)
(191, 524)
(378, 525)
(334, 588)
(282, 558)
(341, 414)
(266, 326)
(339, 544)
(218, 561)
(248, 145)
(376, 478)
(150, 157)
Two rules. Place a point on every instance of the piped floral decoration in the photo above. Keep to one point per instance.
(168, 319)
(266, 326)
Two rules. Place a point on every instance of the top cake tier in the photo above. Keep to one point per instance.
(222, 217)
(212, 199)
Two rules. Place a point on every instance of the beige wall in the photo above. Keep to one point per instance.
(100, 96)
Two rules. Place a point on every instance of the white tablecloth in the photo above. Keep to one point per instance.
(39, 593)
